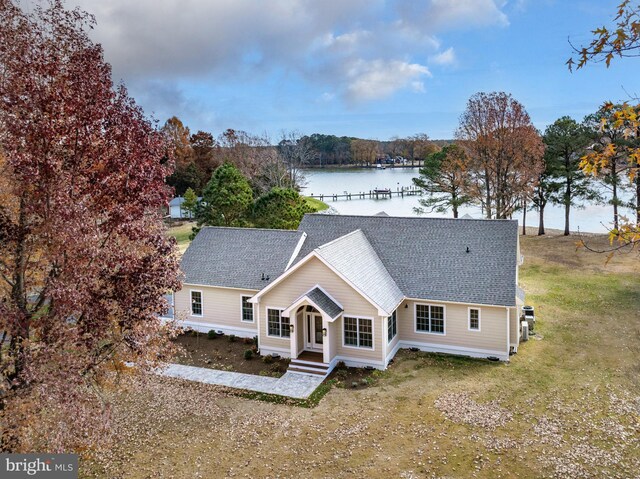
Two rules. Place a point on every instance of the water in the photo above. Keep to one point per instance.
(592, 218)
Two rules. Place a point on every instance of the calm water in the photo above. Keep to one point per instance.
(592, 218)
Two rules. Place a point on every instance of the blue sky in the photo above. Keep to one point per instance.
(365, 68)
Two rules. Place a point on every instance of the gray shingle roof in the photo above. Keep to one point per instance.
(354, 257)
(237, 257)
(324, 302)
(520, 293)
(427, 257)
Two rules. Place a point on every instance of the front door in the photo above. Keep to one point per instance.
(313, 338)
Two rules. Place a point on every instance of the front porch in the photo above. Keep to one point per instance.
(309, 362)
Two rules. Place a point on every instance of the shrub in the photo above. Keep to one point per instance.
(268, 359)
(255, 341)
(341, 365)
(211, 334)
(232, 338)
(248, 354)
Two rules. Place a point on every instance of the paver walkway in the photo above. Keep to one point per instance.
(299, 386)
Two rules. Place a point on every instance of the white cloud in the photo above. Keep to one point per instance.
(378, 79)
(200, 41)
(447, 57)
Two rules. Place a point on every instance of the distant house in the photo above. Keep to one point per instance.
(358, 288)
(176, 210)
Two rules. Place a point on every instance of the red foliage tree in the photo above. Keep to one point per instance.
(84, 262)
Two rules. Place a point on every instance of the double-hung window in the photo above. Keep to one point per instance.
(392, 326)
(196, 303)
(277, 325)
(429, 318)
(247, 309)
(474, 319)
(358, 332)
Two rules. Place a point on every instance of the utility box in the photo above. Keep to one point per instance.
(528, 315)
(524, 328)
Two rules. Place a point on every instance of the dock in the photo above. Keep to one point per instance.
(378, 193)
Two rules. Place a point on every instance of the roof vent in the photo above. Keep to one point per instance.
(468, 250)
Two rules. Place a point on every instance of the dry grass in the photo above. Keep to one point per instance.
(565, 406)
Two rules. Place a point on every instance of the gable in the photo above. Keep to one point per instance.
(314, 272)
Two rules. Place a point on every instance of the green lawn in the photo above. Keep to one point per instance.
(316, 204)
(567, 405)
(181, 233)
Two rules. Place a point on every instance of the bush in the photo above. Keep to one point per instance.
(341, 365)
(268, 359)
(255, 341)
(248, 354)
(211, 334)
(232, 338)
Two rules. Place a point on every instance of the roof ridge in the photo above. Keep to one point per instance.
(247, 228)
(342, 237)
(411, 217)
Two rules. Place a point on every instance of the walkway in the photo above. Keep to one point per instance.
(299, 386)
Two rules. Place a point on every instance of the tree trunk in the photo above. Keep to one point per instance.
(541, 223)
(637, 180)
(524, 218)
(614, 184)
(488, 193)
(567, 207)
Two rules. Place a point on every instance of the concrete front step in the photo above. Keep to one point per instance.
(294, 369)
(308, 367)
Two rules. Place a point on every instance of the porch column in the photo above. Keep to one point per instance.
(326, 355)
(293, 336)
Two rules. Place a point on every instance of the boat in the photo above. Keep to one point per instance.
(380, 167)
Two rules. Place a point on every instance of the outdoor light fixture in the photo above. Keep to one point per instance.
(291, 328)
(324, 331)
(406, 306)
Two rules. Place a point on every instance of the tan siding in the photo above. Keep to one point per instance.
(220, 306)
(492, 335)
(395, 340)
(514, 326)
(314, 272)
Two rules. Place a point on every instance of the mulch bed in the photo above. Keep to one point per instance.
(354, 378)
(196, 349)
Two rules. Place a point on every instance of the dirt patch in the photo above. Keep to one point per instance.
(226, 353)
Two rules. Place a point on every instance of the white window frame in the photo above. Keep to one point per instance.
(191, 291)
(279, 336)
(253, 316)
(444, 319)
(373, 332)
(475, 330)
(389, 340)
(172, 306)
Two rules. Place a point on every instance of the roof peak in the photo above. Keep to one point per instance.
(246, 228)
(422, 218)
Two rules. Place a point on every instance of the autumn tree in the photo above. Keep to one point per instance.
(565, 143)
(505, 150)
(226, 199)
(296, 154)
(280, 208)
(84, 261)
(204, 146)
(621, 41)
(445, 178)
(185, 174)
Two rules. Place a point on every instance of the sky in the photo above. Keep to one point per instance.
(365, 68)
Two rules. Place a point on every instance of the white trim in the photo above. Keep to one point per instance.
(221, 287)
(206, 327)
(392, 353)
(276, 308)
(325, 292)
(458, 302)
(242, 320)
(301, 300)
(444, 319)
(469, 328)
(296, 250)
(373, 330)
(508, 330)
(284, 352)
(303, 261)
(456, 350)
(191, 291)
(358, 363)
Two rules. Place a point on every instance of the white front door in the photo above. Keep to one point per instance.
(313, 331)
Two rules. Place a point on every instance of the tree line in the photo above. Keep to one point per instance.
(500, 162)
(269, 164)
